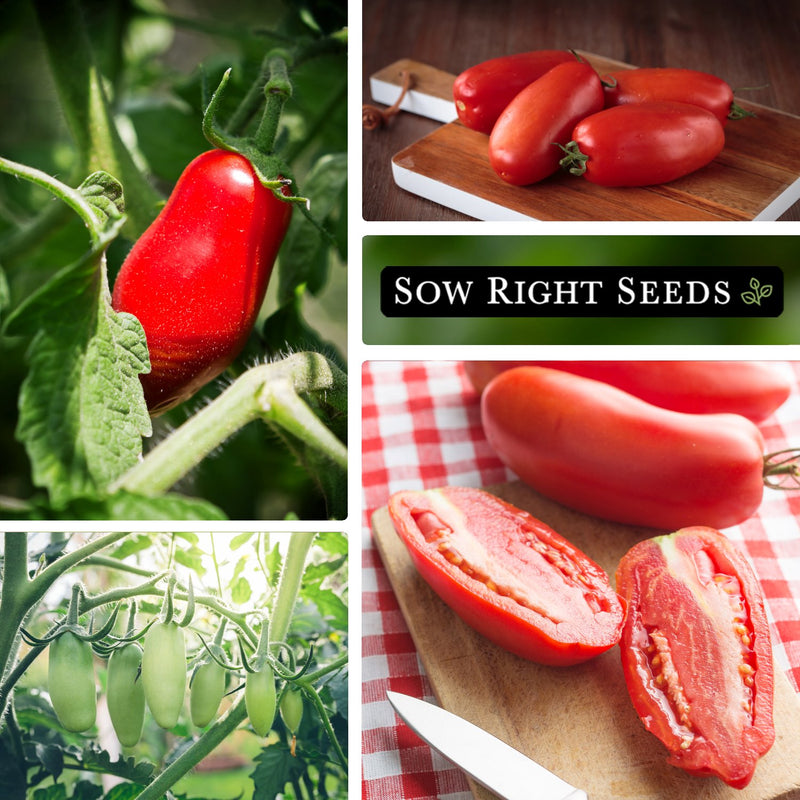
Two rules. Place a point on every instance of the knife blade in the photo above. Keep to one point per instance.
(488, 760)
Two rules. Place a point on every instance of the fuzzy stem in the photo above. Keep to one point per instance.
(250, 397)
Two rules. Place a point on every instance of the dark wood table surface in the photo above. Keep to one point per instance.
(749, 44)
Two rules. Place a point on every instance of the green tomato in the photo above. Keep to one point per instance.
(260, 699)
(205, 695)
(292, 708)
(125, 693)
(164, 672)
(70, 682)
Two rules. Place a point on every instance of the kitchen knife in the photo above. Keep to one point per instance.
(490, 761)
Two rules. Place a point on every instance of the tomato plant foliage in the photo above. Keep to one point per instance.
(124, 98)
(300, 578)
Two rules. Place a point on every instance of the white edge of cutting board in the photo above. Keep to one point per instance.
(456, 199)
(415, 102)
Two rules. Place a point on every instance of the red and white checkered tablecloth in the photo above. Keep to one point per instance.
(421, 429)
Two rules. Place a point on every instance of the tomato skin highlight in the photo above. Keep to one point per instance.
(642, 144)
(656, 84)
(508, 575)
(484, 90)
(125, 693)
(754, 389)
(522, 147)
(197, 277)
(70, 682)
(694, 601)
(260, 697)
(604, 452)
(206, 692)
(164, 672)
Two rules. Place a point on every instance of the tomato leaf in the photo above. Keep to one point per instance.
(81, 412)
(305, 254)
(275, 767)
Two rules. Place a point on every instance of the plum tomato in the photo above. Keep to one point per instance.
(604, 452)
(753, 389)
(696, 652)
(484, 90)
(197, 277)
(508, 575)
(642, 144)
(649, 84)
(524, 145)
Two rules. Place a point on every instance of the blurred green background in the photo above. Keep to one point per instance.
(733, 251)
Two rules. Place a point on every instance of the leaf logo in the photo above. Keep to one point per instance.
(758, 294)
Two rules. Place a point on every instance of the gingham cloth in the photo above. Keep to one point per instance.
(421, 429)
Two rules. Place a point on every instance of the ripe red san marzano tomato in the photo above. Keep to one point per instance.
(602, 451)
(196, 278)
(523, 145)
(641, 144)
(508, 575)
(484, 90)
(649, 84)
(696, 652)
(752, 388)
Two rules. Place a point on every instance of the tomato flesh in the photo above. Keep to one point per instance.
(523, 145)
(696, 652)
(508, 575)
(609, 454)
(484, 90)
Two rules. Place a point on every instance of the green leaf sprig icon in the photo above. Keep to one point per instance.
(758, 294)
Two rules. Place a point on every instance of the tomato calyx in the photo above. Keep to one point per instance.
(574, 161)
(782, 470)
(272, 170)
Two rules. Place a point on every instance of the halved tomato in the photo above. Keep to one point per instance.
(508, 575)
(696, 652)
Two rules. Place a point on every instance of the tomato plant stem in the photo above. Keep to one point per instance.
(72, 197)
(277, 90)
(289, 585)
(20, 595)
(210, 739)
(252, 396)
(87, 109)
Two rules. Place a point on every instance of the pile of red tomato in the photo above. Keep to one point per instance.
(634, 127)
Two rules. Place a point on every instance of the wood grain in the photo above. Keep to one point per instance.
(576, 721)
(760, 161)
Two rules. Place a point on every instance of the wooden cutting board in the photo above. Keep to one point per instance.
(756, 177)
(576, 721)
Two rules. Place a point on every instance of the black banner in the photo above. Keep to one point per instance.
(587, 291)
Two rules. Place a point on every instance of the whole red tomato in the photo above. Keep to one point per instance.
(508, 575)
(609, 454)
(524, 143)
(752, 388)
(196, 278)
(641, 144)
(484, 90)
(696, 652)
(656, 84)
